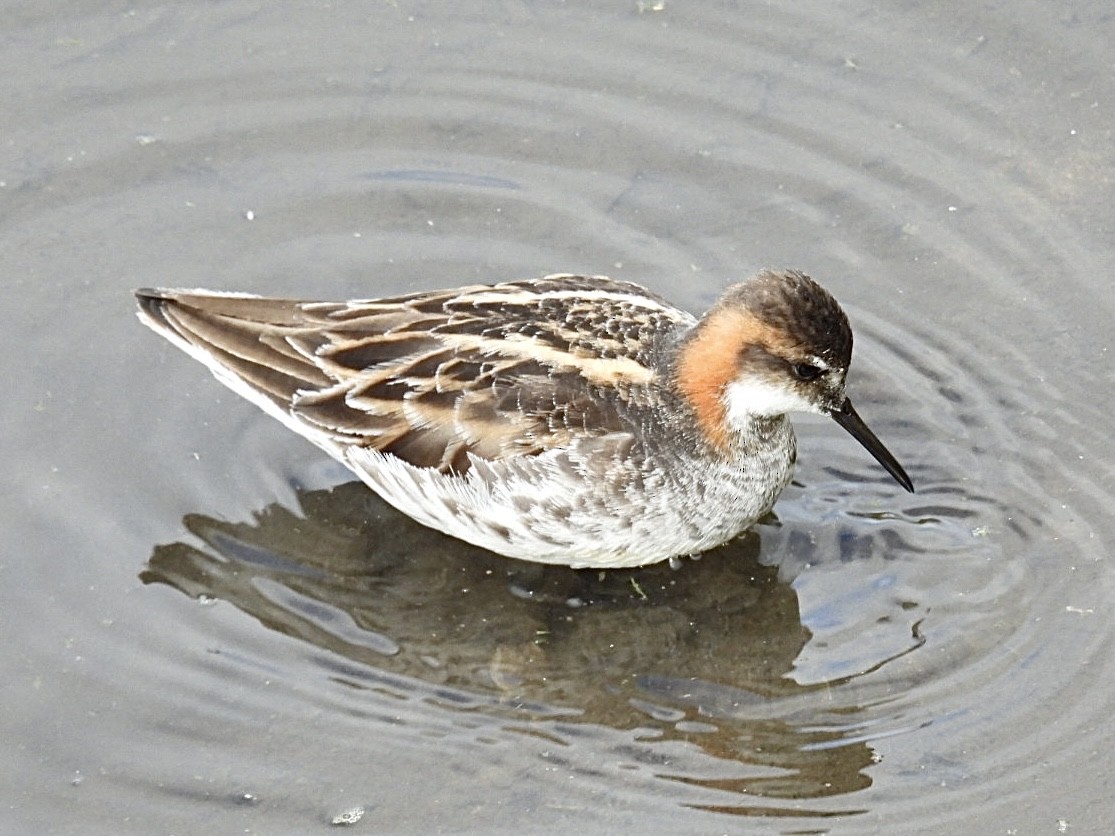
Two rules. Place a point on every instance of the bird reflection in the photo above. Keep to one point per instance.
(699, 655)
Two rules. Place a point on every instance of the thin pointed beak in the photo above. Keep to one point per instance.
(849, 419)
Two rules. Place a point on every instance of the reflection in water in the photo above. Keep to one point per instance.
(699, 655)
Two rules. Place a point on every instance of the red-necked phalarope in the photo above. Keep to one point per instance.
(574, 420)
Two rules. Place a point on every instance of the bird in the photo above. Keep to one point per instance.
(574, 420)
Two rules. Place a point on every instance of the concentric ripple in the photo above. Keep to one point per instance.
(928, 662)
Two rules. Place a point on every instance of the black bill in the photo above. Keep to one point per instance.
(849, 419)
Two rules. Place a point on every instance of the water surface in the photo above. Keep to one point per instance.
(209, 627)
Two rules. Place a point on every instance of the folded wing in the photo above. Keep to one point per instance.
(434, 378)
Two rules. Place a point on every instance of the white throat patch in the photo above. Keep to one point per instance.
(753, 398)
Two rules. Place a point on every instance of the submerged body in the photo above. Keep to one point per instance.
(572, 420)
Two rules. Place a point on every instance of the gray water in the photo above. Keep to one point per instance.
(209, 628)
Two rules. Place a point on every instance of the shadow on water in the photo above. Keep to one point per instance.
(697, 656)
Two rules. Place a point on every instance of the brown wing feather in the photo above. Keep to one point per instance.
(491, 371)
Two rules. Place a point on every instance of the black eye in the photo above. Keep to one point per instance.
(807, 371)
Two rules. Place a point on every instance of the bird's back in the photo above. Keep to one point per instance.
(437, 378)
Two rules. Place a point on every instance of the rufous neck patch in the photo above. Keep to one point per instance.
(709, 361)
